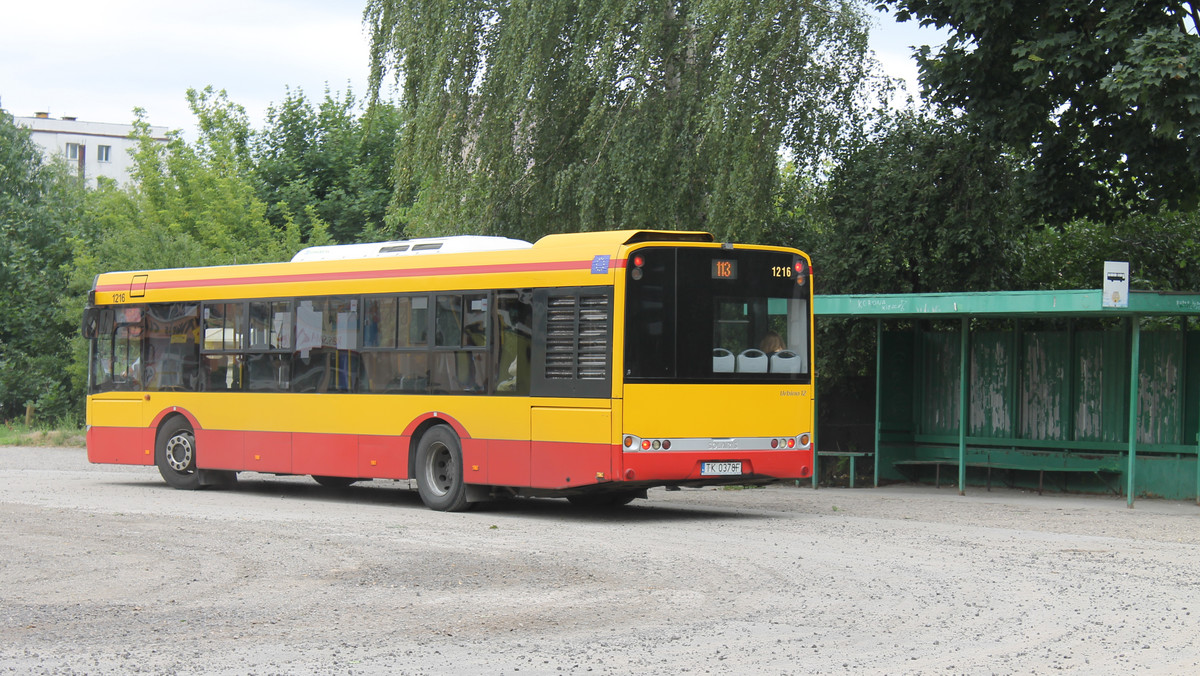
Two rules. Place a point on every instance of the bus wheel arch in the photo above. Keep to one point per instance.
(438, 468)
(417, 429)
(175, 452)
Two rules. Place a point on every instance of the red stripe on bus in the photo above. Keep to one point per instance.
(353, 275)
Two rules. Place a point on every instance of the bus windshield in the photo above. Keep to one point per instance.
(716, 315)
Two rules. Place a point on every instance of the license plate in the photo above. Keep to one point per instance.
(720, 468)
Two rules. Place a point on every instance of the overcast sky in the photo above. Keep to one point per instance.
(98, 60)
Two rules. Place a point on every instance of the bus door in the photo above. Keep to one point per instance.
(116, 428)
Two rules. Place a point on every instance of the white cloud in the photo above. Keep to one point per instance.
(97, 61)
(893, 44)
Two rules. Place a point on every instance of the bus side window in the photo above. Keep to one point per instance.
(171, 346)
(127, 349)
(412, 362)
(326, 353)
(269, 358)
(225, 332)
(460, 363)
(127, 358)
(514, 318)
(102, 358)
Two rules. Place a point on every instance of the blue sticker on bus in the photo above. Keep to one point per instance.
(600, 265)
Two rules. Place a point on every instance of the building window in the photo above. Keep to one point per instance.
(103, 153)
(72, 151)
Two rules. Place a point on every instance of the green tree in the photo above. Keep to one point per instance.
(927, 206)
(1105, 96)
(189, 205)
(40, 210)
(1162, 250)
(331, 160)
(526, 117)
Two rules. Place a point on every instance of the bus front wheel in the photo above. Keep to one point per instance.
(439, 471)
(175, 455)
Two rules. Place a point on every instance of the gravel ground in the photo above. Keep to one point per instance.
(105, 570)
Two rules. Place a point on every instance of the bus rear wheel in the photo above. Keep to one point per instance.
(439, 471)
(175, 455)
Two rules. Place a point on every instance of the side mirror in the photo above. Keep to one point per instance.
(91, 322)
(96, 321)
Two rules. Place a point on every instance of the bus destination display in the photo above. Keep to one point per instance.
(724, 269)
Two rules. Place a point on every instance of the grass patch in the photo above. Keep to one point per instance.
(17, 434)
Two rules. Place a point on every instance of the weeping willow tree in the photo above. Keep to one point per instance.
(525, 117)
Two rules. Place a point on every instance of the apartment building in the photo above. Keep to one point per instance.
(100, 150)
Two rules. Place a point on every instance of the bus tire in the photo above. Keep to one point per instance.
(439, 471)
(175, 454)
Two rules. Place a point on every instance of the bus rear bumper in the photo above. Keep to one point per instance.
(700, 468)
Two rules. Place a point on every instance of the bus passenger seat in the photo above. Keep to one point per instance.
(752, 361)
(786, 361)
(723, 360)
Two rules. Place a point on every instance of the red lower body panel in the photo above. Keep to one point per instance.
(325, 454)
(222, 449)
(485, 461)
(383, 457)
(567, 465)
(120, 445)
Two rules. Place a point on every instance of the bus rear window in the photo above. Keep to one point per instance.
(707, 315)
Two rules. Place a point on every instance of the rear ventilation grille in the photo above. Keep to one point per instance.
(577, 337)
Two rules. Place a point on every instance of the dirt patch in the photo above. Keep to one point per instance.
(108, 571)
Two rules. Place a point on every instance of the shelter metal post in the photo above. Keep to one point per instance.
(963, 414)
(1183, 382)
(1134, 351)
(879, 397)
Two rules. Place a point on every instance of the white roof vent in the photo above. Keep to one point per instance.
(410, 247)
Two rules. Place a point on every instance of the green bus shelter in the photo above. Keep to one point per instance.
(1025, 384)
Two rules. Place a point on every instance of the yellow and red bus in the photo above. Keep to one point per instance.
(590, 366)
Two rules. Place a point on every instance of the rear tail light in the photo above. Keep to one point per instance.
(637, 443)
(805, 440)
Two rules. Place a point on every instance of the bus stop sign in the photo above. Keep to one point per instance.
(1116, 284)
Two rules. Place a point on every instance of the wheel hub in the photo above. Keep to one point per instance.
(440, 470)
(178, 452)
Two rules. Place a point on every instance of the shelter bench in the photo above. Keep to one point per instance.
(853, 455)
(1101, 471)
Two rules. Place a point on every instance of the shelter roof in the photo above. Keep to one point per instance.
(1073, 303)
